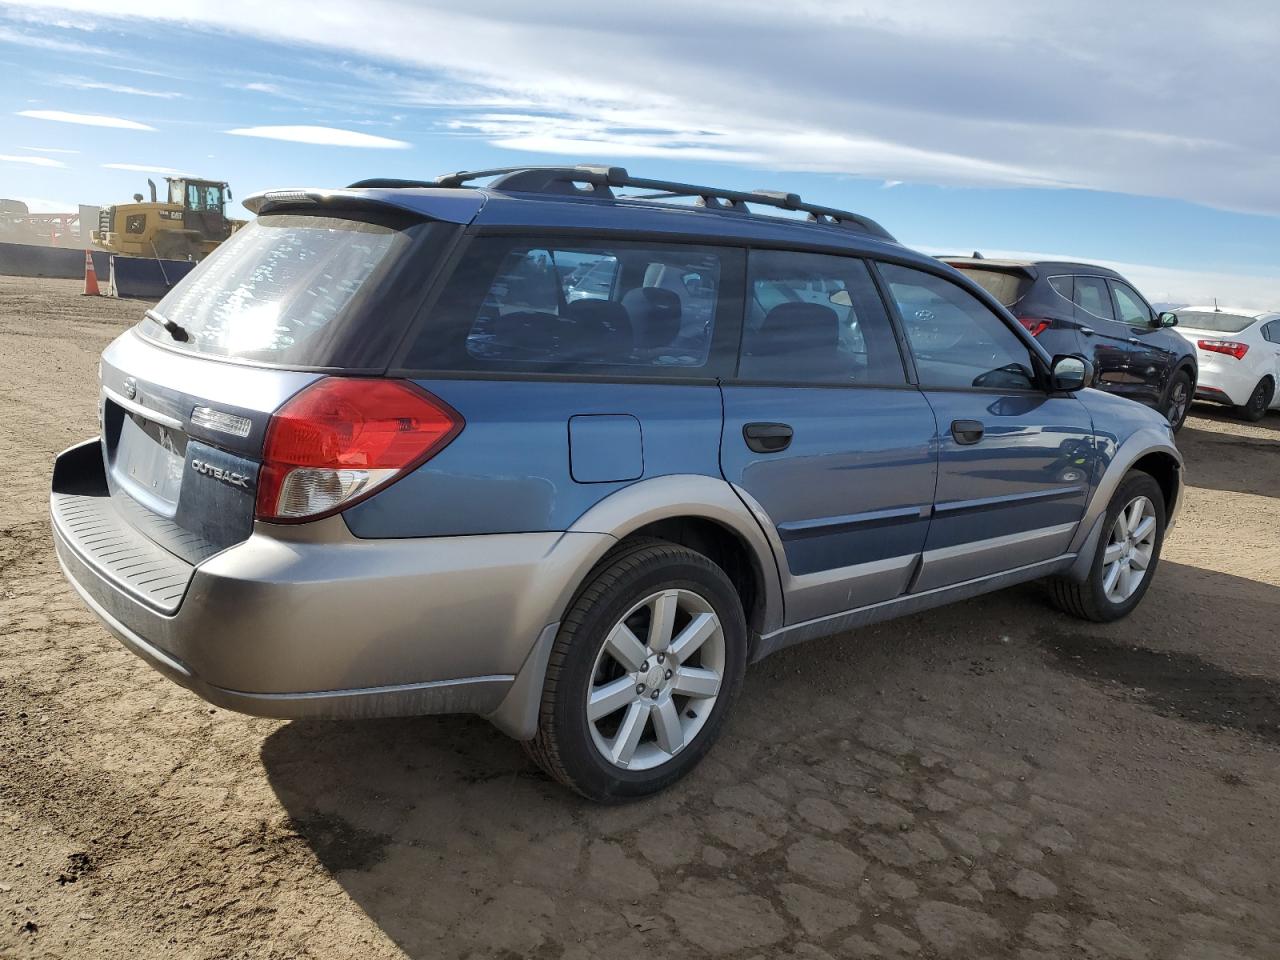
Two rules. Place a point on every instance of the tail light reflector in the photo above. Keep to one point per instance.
(341, 439)
(1231, 348)
(1035, 325)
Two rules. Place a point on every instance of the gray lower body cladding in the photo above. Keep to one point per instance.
(311, 621)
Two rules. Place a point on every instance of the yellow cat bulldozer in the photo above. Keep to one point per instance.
(187, 226)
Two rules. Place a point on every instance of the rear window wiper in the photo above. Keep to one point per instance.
(175, 330)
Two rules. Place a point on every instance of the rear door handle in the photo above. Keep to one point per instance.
(767, 437)
(967, 431)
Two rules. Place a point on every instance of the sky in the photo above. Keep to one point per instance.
(1143, 135)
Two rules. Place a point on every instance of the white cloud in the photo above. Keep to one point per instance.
(1037, 93)
(144, 168)
(43, 42)
(323, 136)
(81, 83)
(49, 150)
(34, 161)
(261, 88)
(85, 119)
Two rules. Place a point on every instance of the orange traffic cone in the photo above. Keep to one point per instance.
(90, 277)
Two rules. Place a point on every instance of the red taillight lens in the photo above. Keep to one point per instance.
(1231, 348)
(1035, 325)
(341, 439)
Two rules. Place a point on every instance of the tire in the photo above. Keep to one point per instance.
(1178, 401)
(570, 745)
(1092, 600)
(1255, 408)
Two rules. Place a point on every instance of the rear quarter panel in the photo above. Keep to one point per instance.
(509, 471)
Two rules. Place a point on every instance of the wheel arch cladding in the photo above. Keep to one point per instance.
(704, 514)
(1166, 471)
(722, 546)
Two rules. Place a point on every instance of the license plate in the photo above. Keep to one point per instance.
(151, 457)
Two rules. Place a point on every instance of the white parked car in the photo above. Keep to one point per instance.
(1239, 356)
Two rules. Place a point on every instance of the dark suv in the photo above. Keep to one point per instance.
(1088, 309)
(569, 457)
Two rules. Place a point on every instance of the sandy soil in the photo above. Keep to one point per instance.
(990, 780)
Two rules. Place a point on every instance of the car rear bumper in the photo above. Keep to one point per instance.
(1224, 379)
(308, 620)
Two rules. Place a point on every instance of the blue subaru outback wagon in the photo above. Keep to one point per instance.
(568, 451)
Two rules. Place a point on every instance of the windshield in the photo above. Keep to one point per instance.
(1005, 286)
(279, 290)
(1214, 321)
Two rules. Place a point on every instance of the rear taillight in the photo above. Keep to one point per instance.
(1034, 325)
(1231, 348)
(341, 439)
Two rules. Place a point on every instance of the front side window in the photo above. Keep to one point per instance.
(575, 306)
(1091, 295)
(814, 318)
(957, 341)
(1130, 308)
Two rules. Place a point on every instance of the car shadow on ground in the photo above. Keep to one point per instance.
(442, 830)
(1231, 460)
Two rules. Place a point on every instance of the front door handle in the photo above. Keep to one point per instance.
(1087, 331)
(767, 437)
(967, 431)
(1134, 340)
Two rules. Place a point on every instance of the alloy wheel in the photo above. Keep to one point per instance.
(1130, 548)
(656, 679)
(1178, 403)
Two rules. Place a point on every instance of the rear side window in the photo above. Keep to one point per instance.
(1005, 285)
(1272, 331)
(814, 318)
(1091, 295)
(282, 290)
(584, 307)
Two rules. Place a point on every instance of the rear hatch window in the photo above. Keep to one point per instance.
(297, 290)
(1213, 321)
(1007, 286)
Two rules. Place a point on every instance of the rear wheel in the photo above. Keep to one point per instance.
(1126, 557)
(646, 665)
(1179, 400)
(1255, 408)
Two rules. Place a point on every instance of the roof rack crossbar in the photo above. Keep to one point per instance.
(598, 180)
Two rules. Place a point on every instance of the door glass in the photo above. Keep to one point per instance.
(1091, 295)
(957, 340)
(813, 318)
(1130, 308)
(580, 306)
(1272, 331)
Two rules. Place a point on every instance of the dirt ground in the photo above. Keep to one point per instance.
(989, 780)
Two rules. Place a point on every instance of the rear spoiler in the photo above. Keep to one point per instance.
(450, 206)
(997, 266)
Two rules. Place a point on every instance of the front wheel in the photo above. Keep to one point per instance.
(645, 667)
(1126, 557)
(1179, 402)
(1255, 408)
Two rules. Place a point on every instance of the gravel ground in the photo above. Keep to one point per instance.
(989, 780)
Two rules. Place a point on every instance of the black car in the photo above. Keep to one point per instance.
(1088, 309)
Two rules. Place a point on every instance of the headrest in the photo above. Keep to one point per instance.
(789, 327)
(596, 331)
(655, 315)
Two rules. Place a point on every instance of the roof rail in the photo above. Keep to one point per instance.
(592, 180)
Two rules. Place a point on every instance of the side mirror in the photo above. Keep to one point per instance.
(1166, 319)
(1070, 373)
